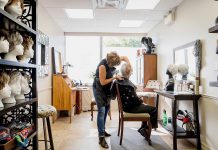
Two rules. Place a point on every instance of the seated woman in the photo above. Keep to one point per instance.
(131, 102)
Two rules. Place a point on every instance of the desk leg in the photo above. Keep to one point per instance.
(156, 104)
(174, 124)
(196, 120)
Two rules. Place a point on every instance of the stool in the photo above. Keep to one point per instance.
(93, 103)
(44, 112)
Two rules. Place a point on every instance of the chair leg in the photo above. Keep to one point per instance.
(149, 132)
(50, 133)
(118, 128)
(121, 136)
(45, 134)
(92, 107)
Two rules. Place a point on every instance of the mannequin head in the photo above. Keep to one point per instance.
(15, 7)
(28, 50)
(4, 44)
(16, 47)
(24, 83)
(15, 78)
(5, 90)
(3, 3)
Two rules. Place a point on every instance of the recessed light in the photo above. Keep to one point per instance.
(80, 13)
(130, 23)
(142, 4)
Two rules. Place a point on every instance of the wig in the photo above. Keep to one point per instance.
(113, 59)
(15, 38)
(15, 2)
(4, 34)
(173, 69)
(4, 79)
(183, 69)
(15, 76)
(27, 44)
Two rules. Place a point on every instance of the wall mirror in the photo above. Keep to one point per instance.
(56, 61)
(189, 54)
(43, 54)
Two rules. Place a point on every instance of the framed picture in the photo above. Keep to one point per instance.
(43, 54)
(56, 61)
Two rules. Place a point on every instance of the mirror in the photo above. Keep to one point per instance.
(56, 61)
(189, 54)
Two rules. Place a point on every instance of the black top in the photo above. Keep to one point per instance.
(103, 94)
(128, 94)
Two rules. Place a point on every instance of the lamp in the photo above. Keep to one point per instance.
(65, 67)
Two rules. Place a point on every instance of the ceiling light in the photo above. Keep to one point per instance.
(142, 4)
(130, 23)
(80, 13)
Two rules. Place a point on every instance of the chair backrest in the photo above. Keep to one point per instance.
(154, 84)
(120, 106)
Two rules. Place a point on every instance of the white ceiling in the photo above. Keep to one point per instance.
(106, 20)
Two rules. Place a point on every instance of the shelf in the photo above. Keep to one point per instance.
(16, 64)
(20, 103)
(214, 84)
(16, 21)
(181, 133)
(214, 29)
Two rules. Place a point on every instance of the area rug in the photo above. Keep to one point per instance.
(132, 140)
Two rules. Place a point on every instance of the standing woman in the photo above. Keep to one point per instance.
(101, 89)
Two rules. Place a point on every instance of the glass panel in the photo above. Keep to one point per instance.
(83, 52)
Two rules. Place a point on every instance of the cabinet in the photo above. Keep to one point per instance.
(64, 96)
(25, 108)
(146, 68)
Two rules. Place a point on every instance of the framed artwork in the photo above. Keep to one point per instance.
(43, 54)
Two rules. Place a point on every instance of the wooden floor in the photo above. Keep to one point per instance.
(82, 133)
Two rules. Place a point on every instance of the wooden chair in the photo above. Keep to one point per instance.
(123, 116)
(93, 103)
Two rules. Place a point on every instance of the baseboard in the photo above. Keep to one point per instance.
(205, 146)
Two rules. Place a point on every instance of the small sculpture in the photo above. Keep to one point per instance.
(15, 7)
(28, 50)
(183, 70)
(147, 41)
(187, 119)
(14, 83)
(171, 71)
(3, 3)
(5, 90)
(15, 47)
(25, 89)
(4, 44)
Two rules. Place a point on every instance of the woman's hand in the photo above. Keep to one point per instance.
(118, 77)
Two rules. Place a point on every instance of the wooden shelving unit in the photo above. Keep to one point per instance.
(26, 24)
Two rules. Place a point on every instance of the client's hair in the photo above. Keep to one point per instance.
(4, 79)
(126, 70)
(113, 59)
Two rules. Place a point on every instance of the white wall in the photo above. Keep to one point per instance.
(56, 39)
(193, 18)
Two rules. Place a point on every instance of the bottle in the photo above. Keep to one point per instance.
(164, 118)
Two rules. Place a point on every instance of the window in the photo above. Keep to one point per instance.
(83, 52)
(126, 46)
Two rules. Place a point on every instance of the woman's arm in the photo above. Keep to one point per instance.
(102, 76)
(125, 58)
